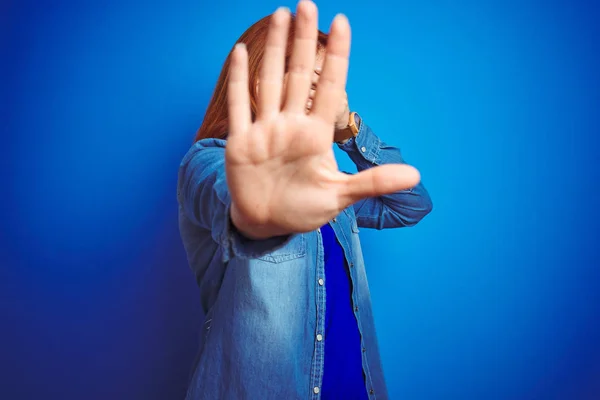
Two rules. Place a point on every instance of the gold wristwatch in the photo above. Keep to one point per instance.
(353, 126)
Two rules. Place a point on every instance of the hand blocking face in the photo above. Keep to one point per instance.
(343, 113)
(270, 168)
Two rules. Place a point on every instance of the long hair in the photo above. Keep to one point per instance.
(215, 123)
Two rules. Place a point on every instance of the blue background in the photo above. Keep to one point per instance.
(495, 295)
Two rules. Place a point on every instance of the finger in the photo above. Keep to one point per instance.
(238, 97)
(332, 81)
(273, 64)
(302, 60)
(378, 181)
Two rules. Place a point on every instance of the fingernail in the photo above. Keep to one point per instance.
(240, 45)
(340, 17)
(283, 9)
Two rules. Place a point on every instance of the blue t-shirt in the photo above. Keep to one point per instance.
(343, 373)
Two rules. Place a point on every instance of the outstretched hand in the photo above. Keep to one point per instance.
(281, 170)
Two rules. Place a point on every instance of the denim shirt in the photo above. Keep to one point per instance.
(264, 300)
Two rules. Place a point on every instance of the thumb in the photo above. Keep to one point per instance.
(378, 181)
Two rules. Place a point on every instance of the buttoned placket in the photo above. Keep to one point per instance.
(319, 352)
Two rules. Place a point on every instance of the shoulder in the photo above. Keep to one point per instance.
(205, 151)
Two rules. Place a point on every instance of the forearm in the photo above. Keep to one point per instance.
(402, 208)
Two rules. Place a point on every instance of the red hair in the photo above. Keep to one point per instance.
(215, 123)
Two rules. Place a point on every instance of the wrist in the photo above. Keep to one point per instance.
(243, 225)
(342, 137)
(250, 228)
(350, 130)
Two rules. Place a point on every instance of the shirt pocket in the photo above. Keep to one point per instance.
(294, 248)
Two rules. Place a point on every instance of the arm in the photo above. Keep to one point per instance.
(400, 209)
(203, 194)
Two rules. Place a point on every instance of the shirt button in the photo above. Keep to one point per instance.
(371, 391)
(363, 149)
(316, 389)
(356, 308)
(351, 264)
(334, 219)
(321, 282)
(319, 337)
(364, 349)
(319, 230)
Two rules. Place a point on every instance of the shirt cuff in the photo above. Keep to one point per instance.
(364, 147)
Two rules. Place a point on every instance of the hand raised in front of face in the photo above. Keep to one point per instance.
(281, 170)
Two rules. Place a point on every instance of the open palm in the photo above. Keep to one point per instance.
(281, 169)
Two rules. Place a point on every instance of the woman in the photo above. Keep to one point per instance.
(270, 225)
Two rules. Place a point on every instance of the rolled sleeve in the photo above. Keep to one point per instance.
(363, 149)
(402, 208)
